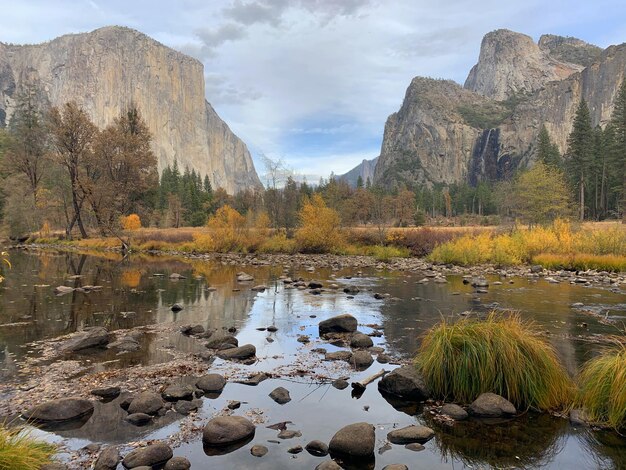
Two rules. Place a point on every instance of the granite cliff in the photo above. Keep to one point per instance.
(445, 133)
(106, 70)
(365, 170)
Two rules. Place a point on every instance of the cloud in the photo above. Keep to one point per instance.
(215, 37)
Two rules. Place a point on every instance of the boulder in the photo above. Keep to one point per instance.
(225, 430)
(146, 402)
(361, 360)
(339, 324)
(454, 411)
(185, 407)
(355, 440)
(153, 455)
(404, 382)
(410, 434)
(108, 459)
(490, 405)
(280, 395)
(317, 448)
(175, 392)
(243, 277)
(361, 341)
(177, 463)
(125, 344)
(96, 337)
(243, 352)
(211, 383)
(59, 411)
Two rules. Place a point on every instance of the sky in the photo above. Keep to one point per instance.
(312, 82)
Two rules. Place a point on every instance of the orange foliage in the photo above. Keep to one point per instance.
(131, 222)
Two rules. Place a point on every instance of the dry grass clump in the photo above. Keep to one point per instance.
(602, 384)
(20, 451)
(501, 354)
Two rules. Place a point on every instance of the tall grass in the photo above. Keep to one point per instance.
(597, 248)
(602, 384)
(501, 354)
(20, 451)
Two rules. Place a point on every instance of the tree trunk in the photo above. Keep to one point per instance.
(582, 200)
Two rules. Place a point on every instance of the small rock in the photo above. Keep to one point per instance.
(329, 465)
(340, 384)
(410, 434)
(361, 360)
(150, 456)
(454, 411)
(234, 404)
(106, 393)
(317, 448)
(289, 434)
(176, 307)
(414, 446)
(338, 356)
(146, 402)
(185, 407)
(189, 330)
(295, 450)
(177, 392)
(396, 466)
(243, 352)
(96, 337)
(272, 328)
(490, 405)
(258, 450)
(280, 395)
(177, 463)
(361, 341)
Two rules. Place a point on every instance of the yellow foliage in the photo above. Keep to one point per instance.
(278, 243)
(45, 230)
(131, 222)
(228, 230)
(557, 245)
(131, 278)
(319, 230)
(203, 242)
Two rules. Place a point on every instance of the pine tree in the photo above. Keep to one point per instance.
(359, 182)
(548, 151)
(579, 151)
(618, 154)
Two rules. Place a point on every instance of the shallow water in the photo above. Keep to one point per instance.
(138, 291)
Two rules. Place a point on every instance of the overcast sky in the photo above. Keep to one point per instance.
(313, 81)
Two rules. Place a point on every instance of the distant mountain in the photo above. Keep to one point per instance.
(365, 170)
(106, 70)
(445, 133)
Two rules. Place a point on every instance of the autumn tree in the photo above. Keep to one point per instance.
(319, 230)
(541, 194)
(72, 134)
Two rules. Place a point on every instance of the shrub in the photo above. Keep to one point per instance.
(228, 229)
(19, 450)
(603, 388)
(131, 222)
(581, 262)
(319, 230)
(278, 243)
(386, 253)
(501, 354)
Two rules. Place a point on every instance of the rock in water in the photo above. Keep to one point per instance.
(404, 382)
(243, 352)
(339, 324)
(225, 430)
(177, 308)
(177, 463)
(138, 419)
(355, 440)
(396, 466)
(317, 448)
(106, 393)
(219, 338)
(329, 465)
(244, 277)
(59, 411)
(280, 395)
(177, 392)
(490, 405)
(108, 459)
(361, 360)
(146, 402)
(153, 455)
(211, 383)
(96, 337)
(258, 450)
(454, 411)
(361, 341)
(410, 434)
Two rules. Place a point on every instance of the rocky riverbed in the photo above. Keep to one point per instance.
(142, 348)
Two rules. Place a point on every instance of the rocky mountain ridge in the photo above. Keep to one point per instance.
(106, 70)
(445, 133)
(365, 170)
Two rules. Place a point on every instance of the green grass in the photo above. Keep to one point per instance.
(501, 354)
(602, 384)
(20, 451)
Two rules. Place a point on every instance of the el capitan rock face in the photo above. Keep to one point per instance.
(445, 133)
(106, 70)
